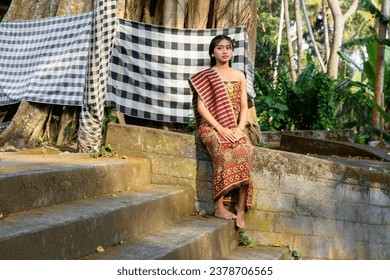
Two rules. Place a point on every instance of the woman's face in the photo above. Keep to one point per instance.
(223, 51)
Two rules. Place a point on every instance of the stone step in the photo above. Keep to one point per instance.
(259, 252)
(195, 238)
(32, 179)
(75, 229)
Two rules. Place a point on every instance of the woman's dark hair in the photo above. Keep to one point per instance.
(214, 42)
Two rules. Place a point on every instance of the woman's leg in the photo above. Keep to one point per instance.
(221, 211)
(240, 207)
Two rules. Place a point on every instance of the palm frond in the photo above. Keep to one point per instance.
(348, 59)
(365, 41)
(382, 112)
(367, 5)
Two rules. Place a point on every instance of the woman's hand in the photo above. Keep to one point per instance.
(238, 133)
(229, 134)
(226, 133)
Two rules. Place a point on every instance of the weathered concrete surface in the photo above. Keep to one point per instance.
(274, 138)
(75, 229)
(259, 253)
(320, 208)
(34, 179)
(309, 145)
(122, 208)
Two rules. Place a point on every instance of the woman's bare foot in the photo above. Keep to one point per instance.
(224, 214)
(240, 219)
(240, 207)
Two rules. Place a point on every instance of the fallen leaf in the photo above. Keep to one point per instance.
(100, 249)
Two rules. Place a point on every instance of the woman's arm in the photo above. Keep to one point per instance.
(226, 133)
(204, 112)
(243, 117)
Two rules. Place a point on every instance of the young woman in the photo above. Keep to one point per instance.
(221, 109)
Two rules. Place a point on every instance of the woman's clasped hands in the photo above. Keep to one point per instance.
(230, 135)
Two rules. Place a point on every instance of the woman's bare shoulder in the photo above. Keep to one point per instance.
(239, 75)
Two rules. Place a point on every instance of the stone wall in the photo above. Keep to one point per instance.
(322, 209)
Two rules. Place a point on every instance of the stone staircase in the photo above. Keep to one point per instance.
(71, 206)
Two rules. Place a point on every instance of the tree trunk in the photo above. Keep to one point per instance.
(131, 10)
(339, 20)
(298, 20)
(198, 14)
(289, 42)
(326, 29)
(379, 72)
(26, 126)
(278, 46)
(312, 36)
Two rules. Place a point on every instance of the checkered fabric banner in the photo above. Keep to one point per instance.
(44, 60)
(150, 66)
(92, 113)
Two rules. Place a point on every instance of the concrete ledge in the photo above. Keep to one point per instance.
(334, 135)
(308, 145)
(36, 180)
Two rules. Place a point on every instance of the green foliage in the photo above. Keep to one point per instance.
(56, 118)
(271, 107)
(296, 255)
(69, 130)
(315, 98)
(354, 104)
(367, 5)
(317, 101)
(108, 118)
(270, 101)
(368, 84)
(309, 104)
(244, 240)
(191, 125)
(111, 118)
(361, 137)
(365, 41)
(104, 151)
(386, 118)
(384, 115)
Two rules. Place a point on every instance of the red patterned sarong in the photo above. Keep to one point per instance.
(232, 162)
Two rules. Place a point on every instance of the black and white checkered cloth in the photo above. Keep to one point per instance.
(93, 59)
(150, 66)
(44, 60)
(92, 113)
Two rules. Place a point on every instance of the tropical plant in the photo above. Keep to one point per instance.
(271, 105)
(375, 72)
(312, 104)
